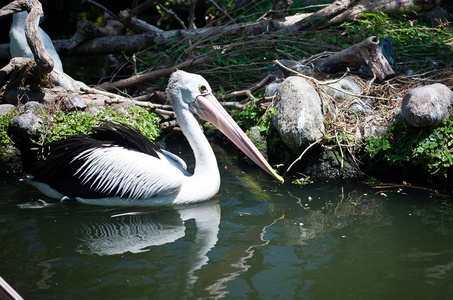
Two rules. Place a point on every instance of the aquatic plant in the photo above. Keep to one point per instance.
(429, 148)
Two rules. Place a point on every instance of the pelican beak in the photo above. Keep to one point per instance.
(209, 109)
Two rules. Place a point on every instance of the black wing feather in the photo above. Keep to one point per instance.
(125, 136)
(59, 167)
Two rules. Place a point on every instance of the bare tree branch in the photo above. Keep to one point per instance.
(143, 78)
(247, 92)
(173, 15)
(346, 10)
(104, 9)
(144, 6)
(192, 15)
(221, 10)
(44, 62)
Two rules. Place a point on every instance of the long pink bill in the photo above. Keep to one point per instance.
(208, 108)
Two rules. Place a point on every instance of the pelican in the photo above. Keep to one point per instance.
(19, 45)
(19, 48)
(116, 165)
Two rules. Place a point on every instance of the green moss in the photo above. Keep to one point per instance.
(252, 116)
(421, 45)
(429, 148)
(5, 138)
(62, 125)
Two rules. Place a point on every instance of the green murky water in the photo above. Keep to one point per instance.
(256, 240)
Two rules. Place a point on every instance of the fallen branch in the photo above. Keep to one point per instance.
(234, 104)
(247, 92)
(341, 11)
(43, 63)
(141, 79)
(168, 124)
(301, 155)
(15, 66)
(146, 104)
(408, 186)
(364, 53)
(153, 36)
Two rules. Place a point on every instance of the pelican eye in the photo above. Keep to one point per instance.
(203, 89)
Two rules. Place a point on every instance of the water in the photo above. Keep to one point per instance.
(256, 240)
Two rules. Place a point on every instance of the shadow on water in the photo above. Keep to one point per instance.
(256, 240)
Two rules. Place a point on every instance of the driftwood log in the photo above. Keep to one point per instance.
(22, 71)
(364, 53)
(347, 10)
(43, 63)
(147, 35)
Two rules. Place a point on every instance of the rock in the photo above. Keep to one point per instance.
(359, 106)
(123, 108)
(271, 89)
(340, 90)
(93, 110)
(97, 101)
(280, 73)
(28, 122)
(298, 115)
(372, 127)
(72, 102)
(258, 140)
(427, 105)
(32, 106)
(436, 15)
(6, 109)
(10, 161)
(326, 165)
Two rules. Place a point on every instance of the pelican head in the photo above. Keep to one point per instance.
(193, 93)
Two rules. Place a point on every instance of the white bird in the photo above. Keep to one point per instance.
(19, 45)
(116, 165)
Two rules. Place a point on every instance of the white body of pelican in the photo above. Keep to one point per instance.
(117, 165)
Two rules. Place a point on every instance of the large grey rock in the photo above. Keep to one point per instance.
(427, 105)
(28, 122)
(298, 115)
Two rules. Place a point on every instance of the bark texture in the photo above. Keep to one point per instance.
(364, 53)
(43, 63)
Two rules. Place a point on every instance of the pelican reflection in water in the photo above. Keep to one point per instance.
(138, 232)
